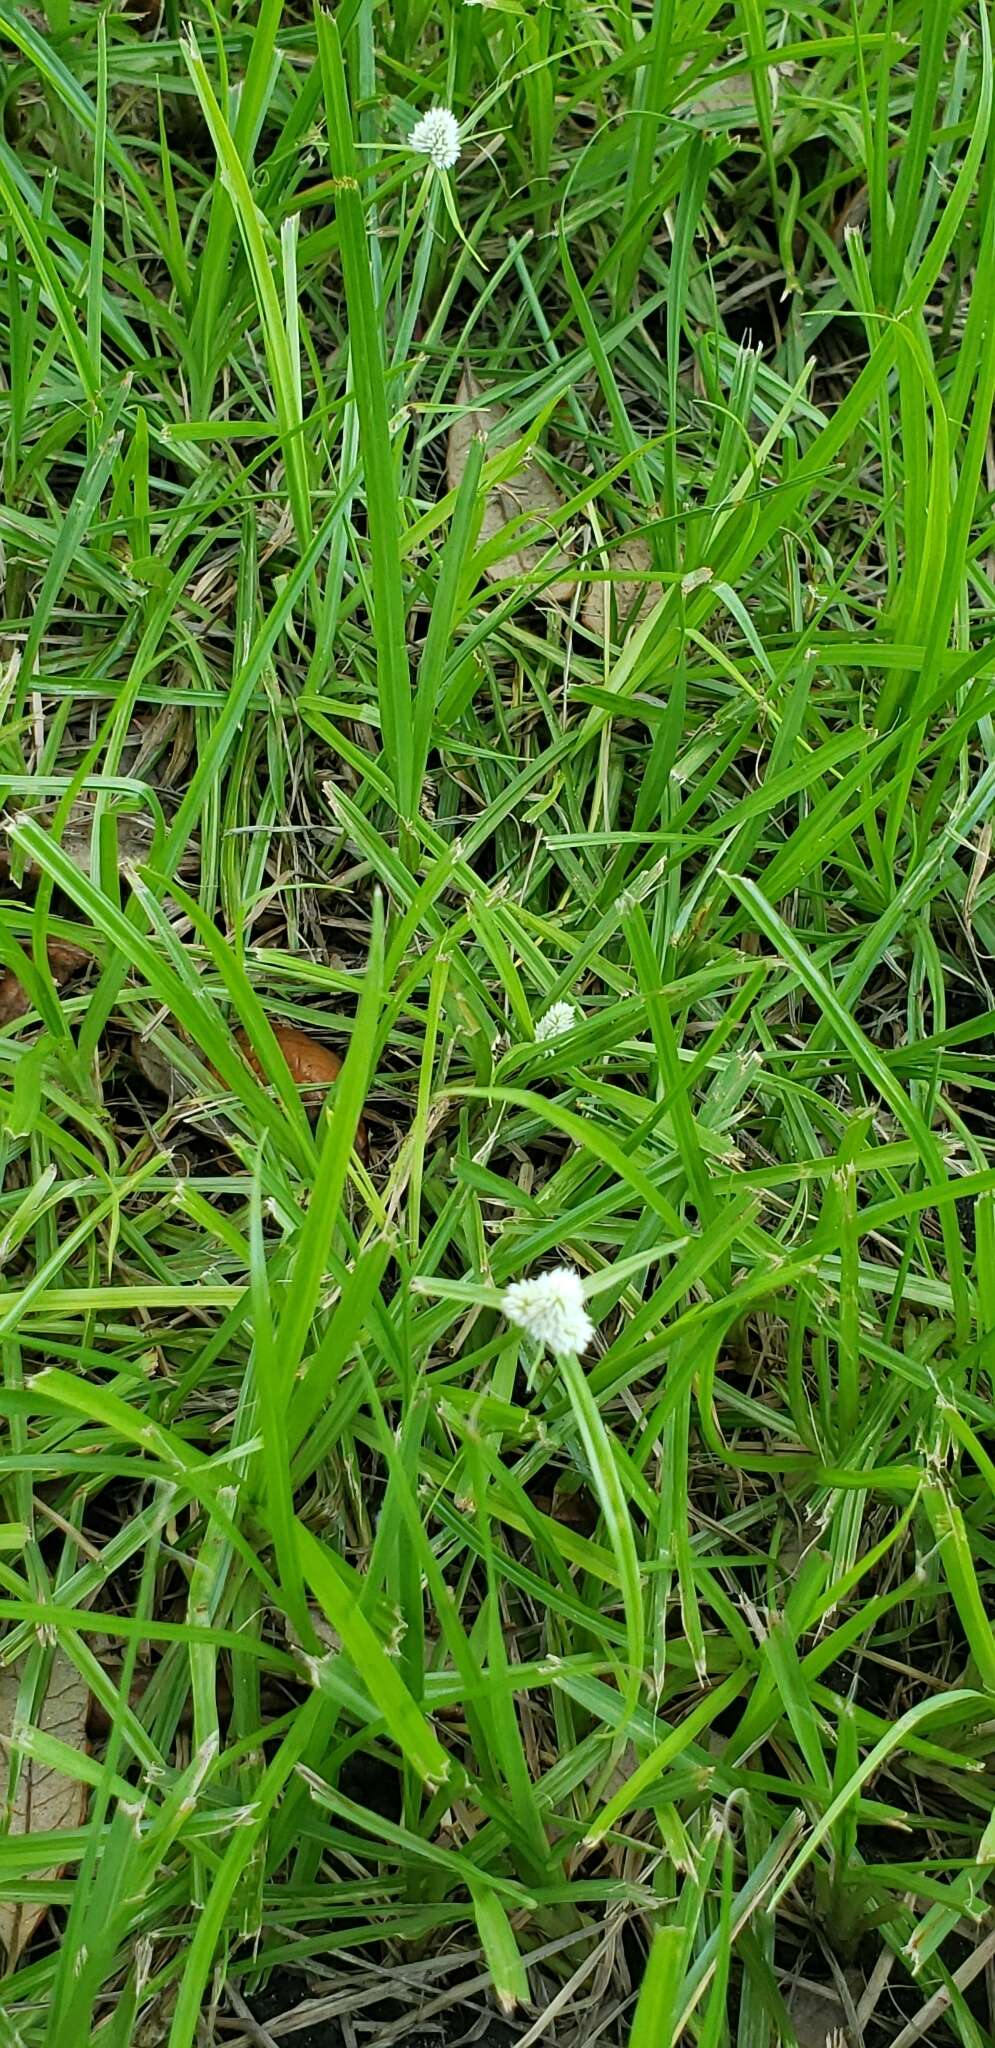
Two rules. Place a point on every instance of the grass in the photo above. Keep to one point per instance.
(631, 1694)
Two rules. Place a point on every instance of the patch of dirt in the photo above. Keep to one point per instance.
(286, 2012)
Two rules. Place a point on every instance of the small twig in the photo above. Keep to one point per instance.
(255, 2031)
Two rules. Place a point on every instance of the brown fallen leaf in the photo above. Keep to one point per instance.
(529, 491)
(64, 961)
(730, 93)
(158, 1069)
(134, 837)
(634, 596)
(312, 1066)
(44, 1800)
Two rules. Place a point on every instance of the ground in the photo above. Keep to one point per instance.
(497, 1292)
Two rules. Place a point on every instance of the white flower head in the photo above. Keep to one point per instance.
(437, 136)
(550, 1309)
(560, 1017)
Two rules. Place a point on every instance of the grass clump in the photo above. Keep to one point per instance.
(609, 783)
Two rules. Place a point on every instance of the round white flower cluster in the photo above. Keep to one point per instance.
(558, 1018)
(437, 136)
(550, 1309)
